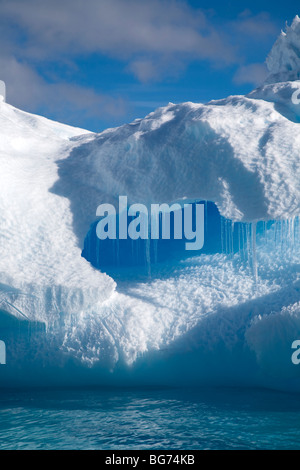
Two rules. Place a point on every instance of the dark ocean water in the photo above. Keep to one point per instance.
(149, 419)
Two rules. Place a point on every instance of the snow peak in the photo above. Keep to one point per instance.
(114, 460)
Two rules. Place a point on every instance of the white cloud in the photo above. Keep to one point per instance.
(253, 74)
(120, 28)
(28, 90)
(144, 69)
(256, 26)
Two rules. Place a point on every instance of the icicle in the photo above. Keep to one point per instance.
(148, 245)
(248, 242)
(206, 217)
(222, 234)
(254, 259)
(155, 248)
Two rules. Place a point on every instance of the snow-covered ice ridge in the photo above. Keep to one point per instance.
(242, 153)
(283, 61)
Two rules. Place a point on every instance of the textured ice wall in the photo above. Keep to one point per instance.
(2, 91)
(241, 153)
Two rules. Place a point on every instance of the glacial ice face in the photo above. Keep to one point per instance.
(284, 95)
(41, 269)
(283, 61)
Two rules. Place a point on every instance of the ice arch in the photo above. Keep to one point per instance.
(2, 90)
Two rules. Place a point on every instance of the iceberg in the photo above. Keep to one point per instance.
(224, 316)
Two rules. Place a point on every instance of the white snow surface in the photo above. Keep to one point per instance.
(39, 253)
(242, 152)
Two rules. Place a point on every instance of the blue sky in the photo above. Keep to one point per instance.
(101, 63)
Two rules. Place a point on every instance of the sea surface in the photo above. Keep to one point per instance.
(134, 419)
